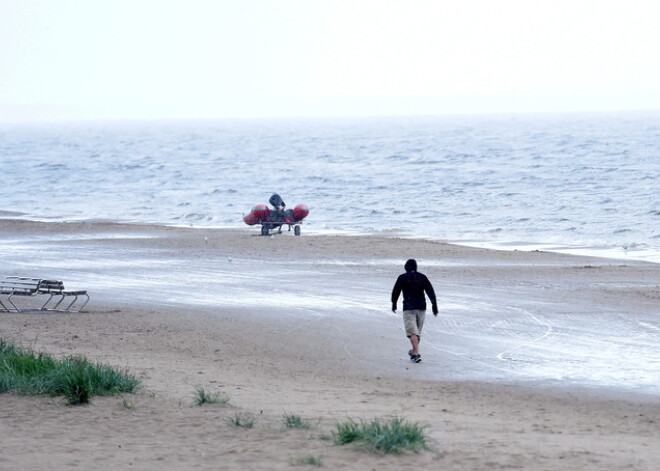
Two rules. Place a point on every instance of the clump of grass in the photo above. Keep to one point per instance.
(126, 404)
(309, 460)
(75, 378)
(295, 421)
(203, 397)
(348, 432)
(76, 384)
(242, 419)
(395, 436)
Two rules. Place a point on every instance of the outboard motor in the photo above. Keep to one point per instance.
(277, 202)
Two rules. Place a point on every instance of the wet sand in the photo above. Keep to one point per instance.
(537, 360)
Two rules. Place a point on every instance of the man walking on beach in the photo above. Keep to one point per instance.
(414, 285)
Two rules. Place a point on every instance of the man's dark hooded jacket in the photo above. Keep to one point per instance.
(413, 284)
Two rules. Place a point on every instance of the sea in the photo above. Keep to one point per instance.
(577, 183)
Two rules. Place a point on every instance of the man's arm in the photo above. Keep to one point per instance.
(431, 294)
(396, 291)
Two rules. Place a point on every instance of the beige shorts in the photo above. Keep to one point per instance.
(413, 321)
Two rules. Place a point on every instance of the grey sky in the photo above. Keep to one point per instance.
(269, 58)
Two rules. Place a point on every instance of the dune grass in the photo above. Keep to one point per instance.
(242, 420)
(203, 397)
(295, 421)
(308, 461)
(77, 379)
(394, 436)
(126, 404)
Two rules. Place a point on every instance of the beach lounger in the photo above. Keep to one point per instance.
(12, 286)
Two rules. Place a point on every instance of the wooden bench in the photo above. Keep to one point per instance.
(12, 286)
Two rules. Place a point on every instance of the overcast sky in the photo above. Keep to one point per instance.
(282, 58)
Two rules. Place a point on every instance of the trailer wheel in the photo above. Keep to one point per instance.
(264, 230)
(296, 230)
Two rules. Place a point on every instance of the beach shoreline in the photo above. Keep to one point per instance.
(621, 253)
(301, 325)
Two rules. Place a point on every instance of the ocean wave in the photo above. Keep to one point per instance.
(514, 179)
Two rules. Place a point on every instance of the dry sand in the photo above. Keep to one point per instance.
(325, 369)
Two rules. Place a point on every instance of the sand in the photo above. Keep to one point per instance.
(279, 340)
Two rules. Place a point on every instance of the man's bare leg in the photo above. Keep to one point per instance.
(414, 341)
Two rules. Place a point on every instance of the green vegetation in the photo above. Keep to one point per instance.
(75, 378)
(295, 421)
(395, 436)
(242, 419)
(127, 404)
(203, 397)
(309, 460)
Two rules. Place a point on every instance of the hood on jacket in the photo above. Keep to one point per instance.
(411, 265)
